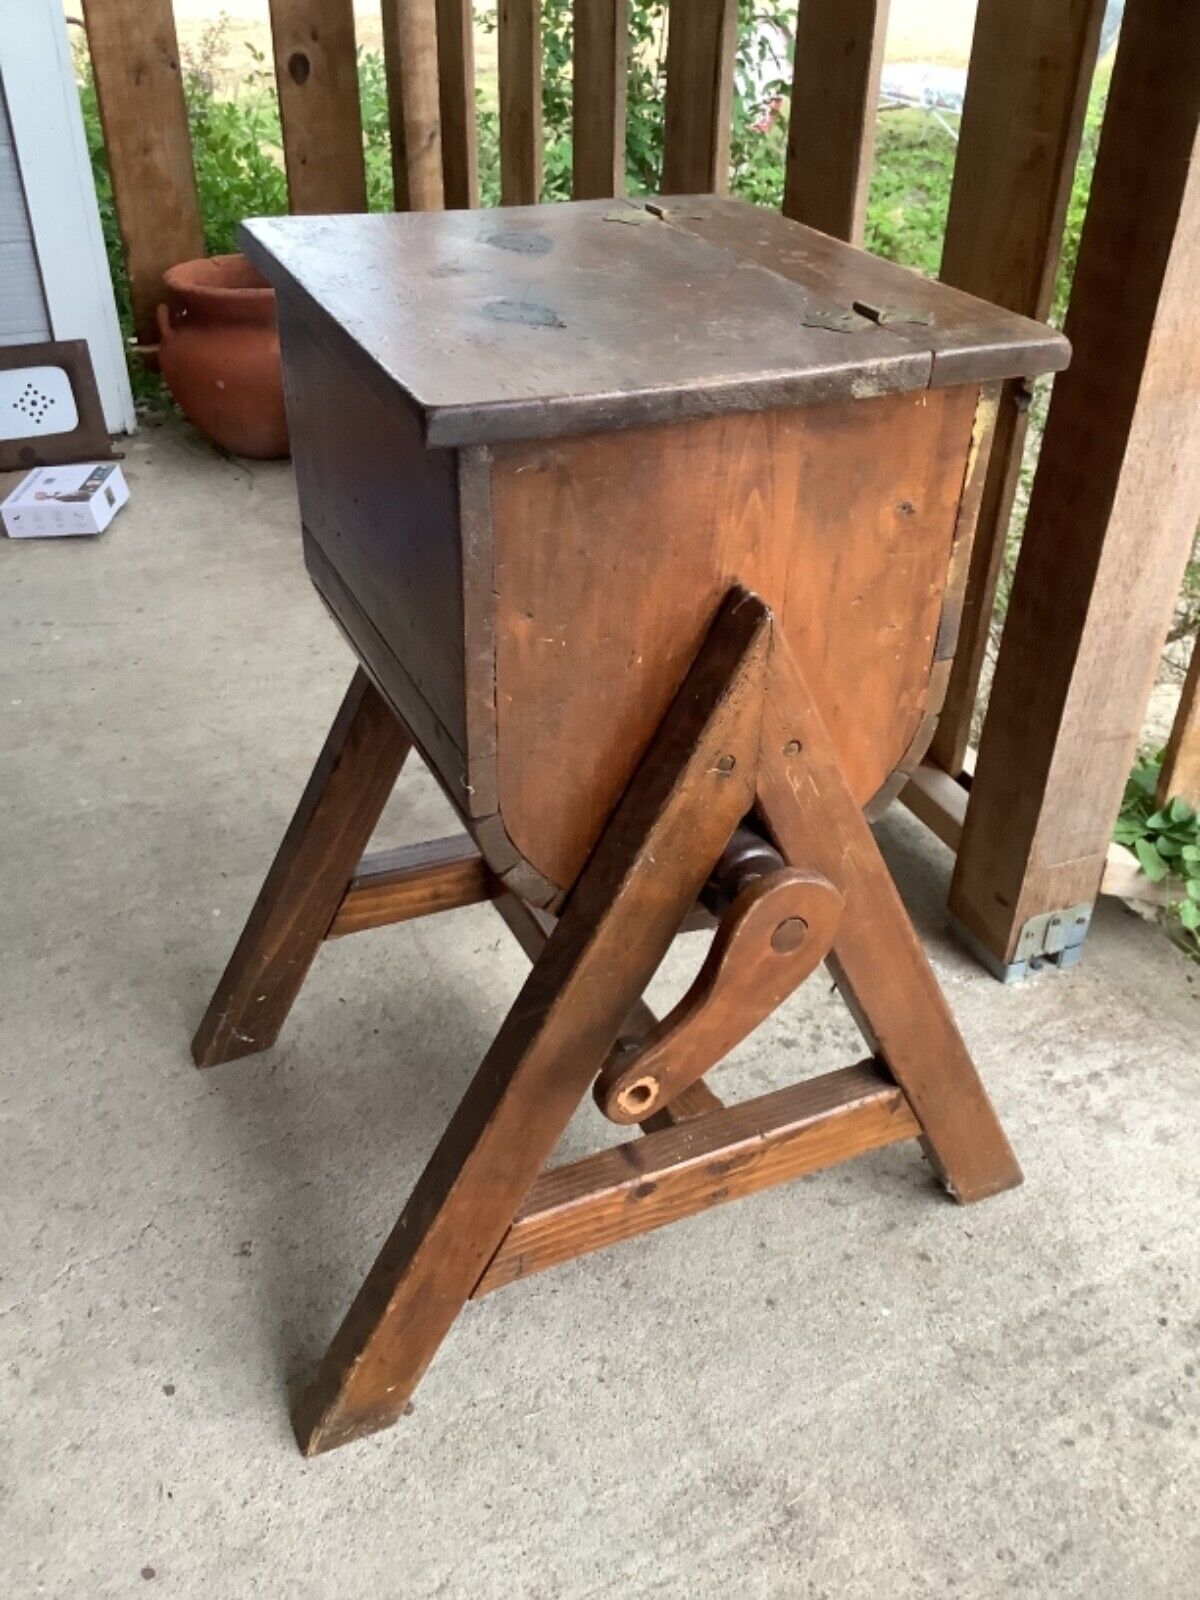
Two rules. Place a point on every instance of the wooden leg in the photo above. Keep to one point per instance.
(341, 804)
(877, 958)
(693, 787)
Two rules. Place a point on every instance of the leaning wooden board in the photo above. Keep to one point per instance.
(537, 446)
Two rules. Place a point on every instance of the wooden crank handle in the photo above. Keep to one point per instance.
(773, 935)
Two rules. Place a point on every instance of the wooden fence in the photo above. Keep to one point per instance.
(1118, 487)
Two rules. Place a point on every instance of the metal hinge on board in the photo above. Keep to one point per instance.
(1055, 936)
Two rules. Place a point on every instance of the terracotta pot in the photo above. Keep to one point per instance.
(219, 354)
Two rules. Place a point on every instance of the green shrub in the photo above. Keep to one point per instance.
(238, 157)
(1166, 841)
(910, 190)
(766, 33)
(237, 151)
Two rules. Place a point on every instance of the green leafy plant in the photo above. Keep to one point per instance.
(910, 190)
(1166, 841)
(237, 148)
(766, 41)
(762, 87)
(238, 155)
(377, 134)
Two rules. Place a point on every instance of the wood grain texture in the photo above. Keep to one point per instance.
(321, 849)
(831, 125)
(519, 45)
(966, 525)
(600, 71)
(316, 71)
(689, 1105)
(776, 932)
(877, 959)
(1180, 773)
(645, 873)
(386, 352)
(402, 692)
(1027, 91)
(612, 551)
(627, 1191)
(139, 90)
(939, 800)
(701, 46)
(1112, 513)
(413, 881)
(560, 319)
(967, 339)
(953, 735)
(456, 89)
(392, 542)
(410, 54)
(532, 930)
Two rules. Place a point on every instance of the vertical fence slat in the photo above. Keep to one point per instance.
(701, 45)
(410, 55)
(835, 99)
(1113, 509)
(1027, 93)
(1181, 759)
(135, 62)
(316, 70)
(601, 62)
(519, 44)
(456, 89)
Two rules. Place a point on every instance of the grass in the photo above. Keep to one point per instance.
(910, 190)
(237, 151)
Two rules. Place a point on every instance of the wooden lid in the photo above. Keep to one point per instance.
(538, 321)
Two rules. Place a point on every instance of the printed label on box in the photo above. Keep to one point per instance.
(57, 502)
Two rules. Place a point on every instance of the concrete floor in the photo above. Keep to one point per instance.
(848, 1388)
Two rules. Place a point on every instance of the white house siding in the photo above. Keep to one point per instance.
(24, 318)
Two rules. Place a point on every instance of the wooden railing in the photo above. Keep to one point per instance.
(1064, 719)
(429, 57)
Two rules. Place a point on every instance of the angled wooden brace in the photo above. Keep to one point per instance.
(876, 959)
(690, 791)
(342, 801)
(920, 1083)
(742, 732)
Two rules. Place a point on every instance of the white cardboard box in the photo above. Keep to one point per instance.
(55, 502)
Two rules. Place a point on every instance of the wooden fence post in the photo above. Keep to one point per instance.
(701, 45)
(410, 54)
(835, 99)
(316, 70)
(519, 42)
(1181, 759)
(456, 92)
(601, 60)
(139, 88)
(1027, 92)
(1111, 519)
